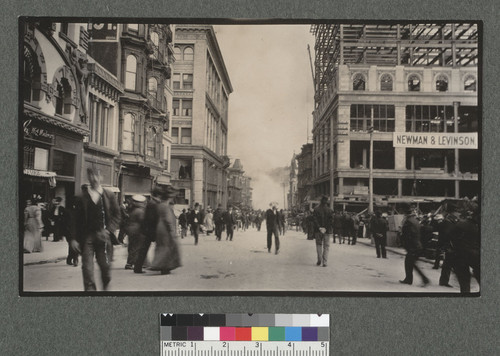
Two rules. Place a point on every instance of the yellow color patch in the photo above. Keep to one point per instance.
(260, 334)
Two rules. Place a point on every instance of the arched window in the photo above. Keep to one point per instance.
(155, 38)
(413, 83)
(128, 132)
(130, 72)
(63, 97)
(152, 86)
(177, 53)
(386, 82)
(470, 83)
(359, 82)
(188, 54)
(442, 83)
(31, 76)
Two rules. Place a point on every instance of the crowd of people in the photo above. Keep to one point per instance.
(94, 222)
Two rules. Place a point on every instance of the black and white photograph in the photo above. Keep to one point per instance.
(163, 156)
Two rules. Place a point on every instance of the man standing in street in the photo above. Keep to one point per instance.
(97, 216)
(272, 224)
(410, 237)
(57, 216)
(323, 227)
(183, 223)
(196, 218)
(219, 222)
(230, 221)
(379, 230)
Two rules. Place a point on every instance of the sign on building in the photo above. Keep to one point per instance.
(463, 140)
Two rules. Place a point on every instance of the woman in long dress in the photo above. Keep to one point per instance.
(33, 226)
(167, 256)
(209, 222)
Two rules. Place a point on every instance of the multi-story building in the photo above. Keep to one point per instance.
(235, 184)
(201, 88)
(292, 191)
(414, 86)
(140, 56)
(304, 174)
(55, 116)
(246, 192)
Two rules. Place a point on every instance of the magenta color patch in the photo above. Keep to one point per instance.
(227, 334)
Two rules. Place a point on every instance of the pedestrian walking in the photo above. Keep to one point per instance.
(72, 258)
(167, 256)
(447, 229)
(97, 216)
(219, 222)
(310, 225)
(410, 237)
(33, 227)
(133, 228)
(183, 222)
(124, 214)
(323, 226)
(148, 228)
(379, 228)
(57, 217)
(195, 219)
(209, 222)
(230, 222)
(272, 225)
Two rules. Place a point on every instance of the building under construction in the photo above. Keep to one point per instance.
(404, 97)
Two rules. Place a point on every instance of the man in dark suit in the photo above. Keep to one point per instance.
(97, 216)
(195, 219)
(219, 222)
(58, 218)
(410, 237)
(230, 221)
(323, 227)
(272, 224)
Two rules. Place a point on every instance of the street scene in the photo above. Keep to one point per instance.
(246, 158)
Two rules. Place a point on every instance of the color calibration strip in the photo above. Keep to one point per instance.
(244, 334)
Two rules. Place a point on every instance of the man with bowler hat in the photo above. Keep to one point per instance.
(323, 226)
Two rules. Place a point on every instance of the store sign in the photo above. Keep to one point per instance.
(465, 140)
(37, 173)
(37, 133)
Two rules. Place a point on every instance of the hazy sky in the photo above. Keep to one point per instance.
(272, 99)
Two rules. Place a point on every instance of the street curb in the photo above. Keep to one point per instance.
(396, 252)
(53, 260)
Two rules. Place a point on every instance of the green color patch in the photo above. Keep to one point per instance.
(276, 334)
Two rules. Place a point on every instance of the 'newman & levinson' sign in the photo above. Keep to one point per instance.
(463, 140)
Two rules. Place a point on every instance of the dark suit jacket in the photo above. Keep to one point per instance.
(229, 219)
(410, 234)
(272, 219)
(111, 214)
(198, 216)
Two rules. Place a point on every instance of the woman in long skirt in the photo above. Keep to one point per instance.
(167, 256)
(33, 226)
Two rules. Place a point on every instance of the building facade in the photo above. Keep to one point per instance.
(54, 117)
(292, 191)
(304, 174)
(201, 89)
(388, 80)
(140, 56)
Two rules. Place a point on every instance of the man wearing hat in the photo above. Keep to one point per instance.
(323, 227)
(219, 222)
(410, 237)
(97, 216)
(133, 228)
(195, 219)
(379, 229)
(230, 221)
(272, 225)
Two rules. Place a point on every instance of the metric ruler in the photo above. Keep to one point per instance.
(244, 334)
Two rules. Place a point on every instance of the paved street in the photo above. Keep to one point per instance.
(243, 265)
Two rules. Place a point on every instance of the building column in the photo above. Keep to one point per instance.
(456, 104)
(198, 171)
(400, 188)
(400, 126)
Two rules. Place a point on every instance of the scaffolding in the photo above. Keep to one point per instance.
(409, 44)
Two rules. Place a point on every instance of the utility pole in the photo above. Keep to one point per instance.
(370, 176)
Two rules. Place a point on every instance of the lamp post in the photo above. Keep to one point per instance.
(370, 174)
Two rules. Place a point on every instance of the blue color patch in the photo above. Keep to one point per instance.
(293, 334)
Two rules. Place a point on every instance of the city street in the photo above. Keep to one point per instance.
(244, 265)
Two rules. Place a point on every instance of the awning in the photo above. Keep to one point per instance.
(38, 173)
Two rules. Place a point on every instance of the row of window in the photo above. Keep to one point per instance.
(414, 81)
(132, 137)
(181, 135)
(63, 163)
(182, 81)
(182, 107)
(184, 53)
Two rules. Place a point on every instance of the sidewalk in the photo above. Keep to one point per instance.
(51, 252)
(397, 250)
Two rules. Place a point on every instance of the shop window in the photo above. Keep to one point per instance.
(131, 72)
(442, 83)
(188, 54)
(187, 81)
(386, 82)
(186, 135)
(469, 161)
(422, 158)
(383, 155)
(63, 163)
(175, 135)
(468, 119)
(181, 197)
(176, 79)
(359, 82)
(470, 83)
(413, 83)
(176, 107)
(429, 118)
(359, 154)
(383, 117)
(181, 168)
(128, 132)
